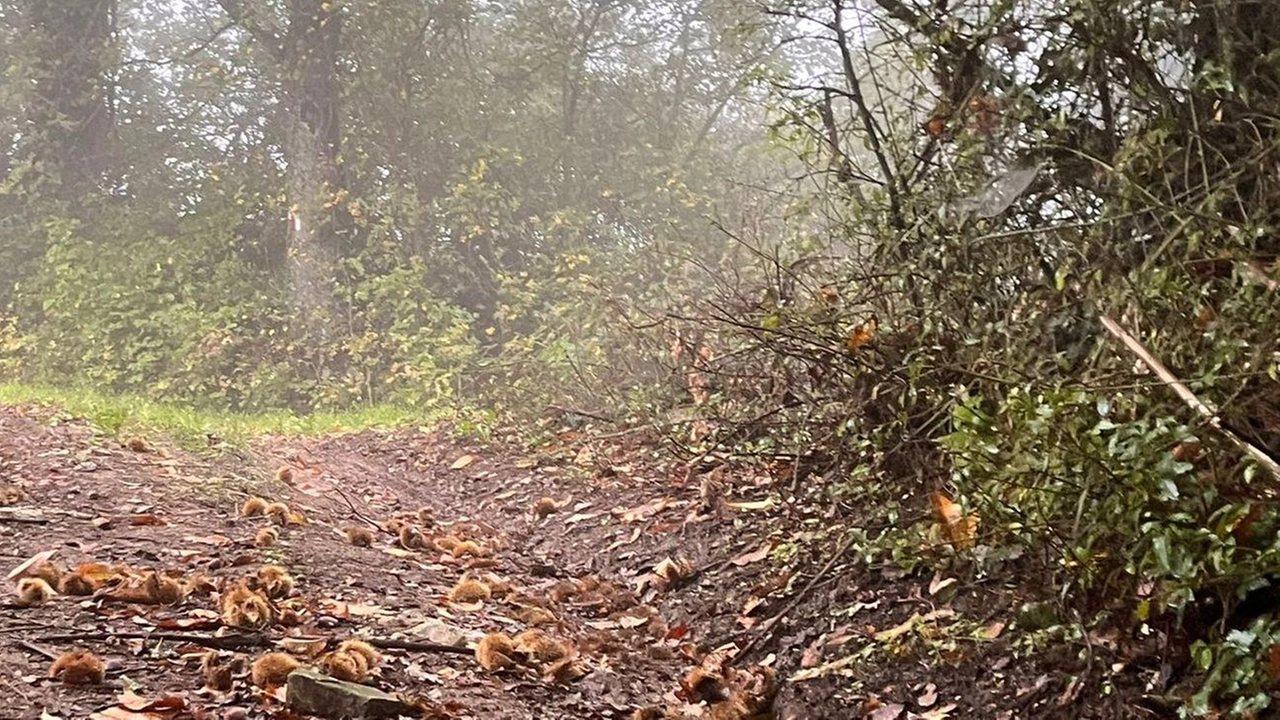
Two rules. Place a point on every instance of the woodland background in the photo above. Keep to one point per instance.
(874, 240)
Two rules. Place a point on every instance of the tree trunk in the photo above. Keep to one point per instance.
(304, 54)
(70, 113)
(312, 141)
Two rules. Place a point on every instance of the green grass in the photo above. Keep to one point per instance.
(122, 415)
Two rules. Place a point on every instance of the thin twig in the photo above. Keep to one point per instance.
(766, 628)
(224, 642)
(356, 512)
(417, 646)
(583, 413)
(1206, 410)
(45, 652)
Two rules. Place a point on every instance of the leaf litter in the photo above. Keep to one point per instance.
(642, 610)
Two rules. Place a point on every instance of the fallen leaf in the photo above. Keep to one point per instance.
(756, 555)
(938, 583)
(992, 631)
(929, 696)
(189, 623)
(912, 623)
(635, 535)
(132, 706)
(752, 505)
(133, 701)
(813, 654)
(889, 711)
(643, 512)
(771, 585)
(36, 559)
(147, 520)
(941, 713)
(214, 539)
(671, 571)
(463, 461)
(827, 669)
(304, 646)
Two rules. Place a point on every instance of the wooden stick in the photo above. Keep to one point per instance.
(376, 525)
(416, 646)
(1206, 410)
(224, 642)
(37, 649)
(241, 641)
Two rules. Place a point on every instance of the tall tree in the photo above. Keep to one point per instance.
(301, 40)
(71, 59)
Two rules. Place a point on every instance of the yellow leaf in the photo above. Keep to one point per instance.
(462, 462)
(960, 530)
(862, 334)
(752, 505)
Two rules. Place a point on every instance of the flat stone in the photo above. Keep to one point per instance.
(318, 694)
(438, 631)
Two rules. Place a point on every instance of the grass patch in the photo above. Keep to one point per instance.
(124, 415)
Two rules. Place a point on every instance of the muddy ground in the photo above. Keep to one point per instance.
(775, 581)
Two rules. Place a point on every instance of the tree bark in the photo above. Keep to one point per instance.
(304, 53)
(312, 143)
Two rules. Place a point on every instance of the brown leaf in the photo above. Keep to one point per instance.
(133, 701)
(132, 706)
(992, 631)
(311, 647)
(756, 555)
(890, 711)
(813, 654)
(645, 511)
(147, 520)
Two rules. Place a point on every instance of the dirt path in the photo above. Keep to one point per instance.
(623, 508)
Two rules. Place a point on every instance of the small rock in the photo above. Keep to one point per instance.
(22, 514)
(102, 523)
(318, 694)
(437, 631)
